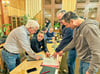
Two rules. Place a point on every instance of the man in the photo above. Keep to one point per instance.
(38, 44)
(17, 40)
(50, 35)
(86, 40)
(67, 37)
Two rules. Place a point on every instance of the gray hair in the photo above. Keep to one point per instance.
(41, 32)
(44, 28)
(61, 11)
(32, 24)
(68, 16)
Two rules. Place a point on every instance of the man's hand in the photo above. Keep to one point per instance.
(53, 41)
(47, 54)
(38, 57)
(53, 38)
(87, 72)
(55, 54)
(60, 53)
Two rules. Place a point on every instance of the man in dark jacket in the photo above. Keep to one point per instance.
(67, 37)
(38, 43)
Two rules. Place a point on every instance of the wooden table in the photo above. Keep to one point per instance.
(21, 69)
(1, 45)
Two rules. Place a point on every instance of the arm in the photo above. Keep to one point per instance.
(24, 42)
(49, 38)
(44, 46)
(92, 36)
(34, 45)
(69, 46)
(50, 25)
(45, 49)
(66, 39)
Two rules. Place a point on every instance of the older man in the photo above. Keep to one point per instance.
(67, 37)
(17, 40)
(86, 40)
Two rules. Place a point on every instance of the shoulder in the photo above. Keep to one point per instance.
(53, 32)
(91, 28)
(68, 30)
(91, 24)
(19, 31)
(34, 39)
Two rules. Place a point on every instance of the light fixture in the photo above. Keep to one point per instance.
(5, 2)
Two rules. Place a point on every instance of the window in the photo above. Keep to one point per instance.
(81, 1)
(80, 11)
(94, 0)
(92, 13)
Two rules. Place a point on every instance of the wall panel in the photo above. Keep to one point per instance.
(69, 5)
(32, 7)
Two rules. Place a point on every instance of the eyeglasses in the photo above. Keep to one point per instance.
(59, 19)
(35, 30)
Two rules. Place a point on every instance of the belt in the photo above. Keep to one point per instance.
(8, 51)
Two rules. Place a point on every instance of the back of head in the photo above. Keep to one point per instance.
(32, 24)
(44, 28)
(47, 20)
(69, 15)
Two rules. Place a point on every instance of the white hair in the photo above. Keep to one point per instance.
(32, 24)
(60, 11)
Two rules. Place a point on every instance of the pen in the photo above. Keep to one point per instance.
(45, 72)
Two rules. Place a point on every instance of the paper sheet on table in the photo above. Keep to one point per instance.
(31, 59)
(50, 61)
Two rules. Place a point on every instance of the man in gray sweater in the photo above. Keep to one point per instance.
(86, 40)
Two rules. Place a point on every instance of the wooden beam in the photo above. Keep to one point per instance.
(2, 16)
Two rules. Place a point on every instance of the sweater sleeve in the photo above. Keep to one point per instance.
(66, 39)
(25, 44)
(69, 46)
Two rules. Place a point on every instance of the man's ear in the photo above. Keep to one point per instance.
(71, 20)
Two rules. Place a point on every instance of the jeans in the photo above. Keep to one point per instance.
(84, 67)
(11, 60)
(71, 57)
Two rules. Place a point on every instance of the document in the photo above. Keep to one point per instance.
(50, 61)
(31, 59)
